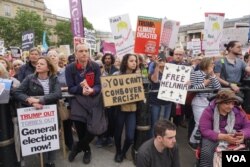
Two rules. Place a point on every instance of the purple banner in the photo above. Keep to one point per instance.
(76, 18)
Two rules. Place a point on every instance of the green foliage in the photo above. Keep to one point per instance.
(87, 24)
(63, 32)
(11, 29)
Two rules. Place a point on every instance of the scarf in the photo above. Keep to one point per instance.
(228, 128)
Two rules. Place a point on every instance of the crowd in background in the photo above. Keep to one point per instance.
(79, 74)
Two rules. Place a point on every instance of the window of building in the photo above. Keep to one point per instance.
(32, 3)
(7, 10)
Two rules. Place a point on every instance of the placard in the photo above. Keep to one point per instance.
(122, 89)
(173, 86)
(38, 129)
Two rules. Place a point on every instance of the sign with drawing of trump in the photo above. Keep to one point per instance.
(148, 33)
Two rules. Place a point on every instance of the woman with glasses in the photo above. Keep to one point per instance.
(202, 79)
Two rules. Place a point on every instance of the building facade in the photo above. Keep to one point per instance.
(9, 8)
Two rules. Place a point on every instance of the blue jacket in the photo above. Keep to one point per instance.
(75, 76)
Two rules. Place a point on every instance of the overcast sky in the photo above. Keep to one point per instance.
(98, 12)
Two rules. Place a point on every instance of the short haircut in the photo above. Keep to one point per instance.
(108, 54)
(37, 50)
(205, 62)
(161, 126)
(77, 47)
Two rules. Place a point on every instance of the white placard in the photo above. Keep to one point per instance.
(213, 33)
(2, 50)
(38, 129)
(234, 34)
(173, 86)
(196, 45)
(122, 34)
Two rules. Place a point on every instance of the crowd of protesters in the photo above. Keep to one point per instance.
(79, 74)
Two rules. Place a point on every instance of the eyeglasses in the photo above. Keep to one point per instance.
(178, 54)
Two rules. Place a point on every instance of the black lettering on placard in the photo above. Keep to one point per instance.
(235, 158)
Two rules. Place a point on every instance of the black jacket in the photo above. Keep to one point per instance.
(32, 87)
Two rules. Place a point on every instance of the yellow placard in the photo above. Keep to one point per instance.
(122, 89)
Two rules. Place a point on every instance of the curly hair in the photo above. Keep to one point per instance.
(108, 54)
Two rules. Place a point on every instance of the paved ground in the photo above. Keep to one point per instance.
(103, 157)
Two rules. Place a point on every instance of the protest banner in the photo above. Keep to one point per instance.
(38, 129)
(122, 89)
(76, 18)
(169, 33)
(77, 41)
(108, 47)
(196, 46)
(5, 85)
(2, 49)
(65, 49)
(148, 32)
(173, 85)
(213, 29)
(90, 38)
(234, 34)
(28, 38)
(122, 34)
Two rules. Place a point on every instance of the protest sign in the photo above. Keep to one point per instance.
(77, 41)
(173, 85)
(148, 33)
(108, 47)
(5, 85)
(2, 50)
(90, 38)
(196, 46)
(28, 38)
(169, 33)
(38, 129)
(122, 34)
(122, 89)
(234, 34)
(65, 49)
(213, 29)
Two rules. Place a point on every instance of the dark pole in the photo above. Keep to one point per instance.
(7, 146)
(246, 104)
(143, 123)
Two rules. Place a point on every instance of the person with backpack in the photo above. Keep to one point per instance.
(230, 69)
(83, 80)
(222, 123)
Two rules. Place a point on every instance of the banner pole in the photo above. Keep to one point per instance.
(41, 159)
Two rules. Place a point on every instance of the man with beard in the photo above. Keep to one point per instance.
(230, 69)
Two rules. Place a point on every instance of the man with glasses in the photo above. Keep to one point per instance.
(161, 151)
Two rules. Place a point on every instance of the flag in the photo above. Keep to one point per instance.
(45, 46)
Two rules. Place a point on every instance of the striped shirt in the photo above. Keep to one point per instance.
(197, 79)
(45, 85)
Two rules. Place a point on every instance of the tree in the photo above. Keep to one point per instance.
(26, 20)
(87, 24)
(7, 32)
(63, 31)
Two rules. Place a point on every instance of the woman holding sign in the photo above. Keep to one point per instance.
(127, 113)
(43, 83)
